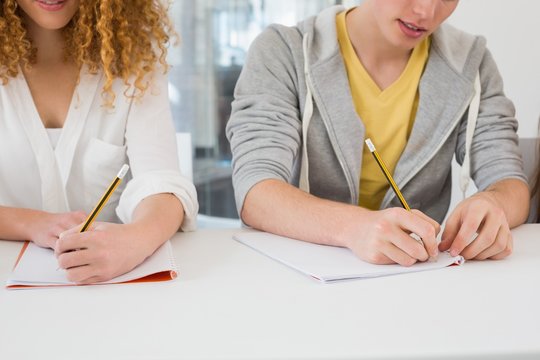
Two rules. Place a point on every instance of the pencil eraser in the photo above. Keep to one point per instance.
(123, 171)
(370, 145)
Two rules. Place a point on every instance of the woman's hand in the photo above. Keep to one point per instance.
(108, 250)
(105, 251)
(45, 228)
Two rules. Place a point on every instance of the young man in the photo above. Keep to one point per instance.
(310, 95)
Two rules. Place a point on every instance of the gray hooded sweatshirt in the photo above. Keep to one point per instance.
(265, 128)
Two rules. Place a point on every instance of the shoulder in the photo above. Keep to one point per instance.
(277, 38)
(320, 30)
(275, 53)
(459, 48)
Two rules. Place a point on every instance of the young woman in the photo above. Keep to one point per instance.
(309, 96)
(83, 92)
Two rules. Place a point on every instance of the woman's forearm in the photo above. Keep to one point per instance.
(16, 223)
(156, 219)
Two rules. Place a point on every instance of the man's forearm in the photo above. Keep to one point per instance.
(277, 207)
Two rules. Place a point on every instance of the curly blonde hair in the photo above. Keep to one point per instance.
(124, 39)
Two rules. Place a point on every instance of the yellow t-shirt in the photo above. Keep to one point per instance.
(388, 115)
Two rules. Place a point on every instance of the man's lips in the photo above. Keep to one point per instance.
(412, 26)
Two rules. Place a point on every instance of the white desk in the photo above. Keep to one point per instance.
(230, 302)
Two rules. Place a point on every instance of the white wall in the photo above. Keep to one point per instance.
(512, 30)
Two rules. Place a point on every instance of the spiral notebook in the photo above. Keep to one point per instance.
(37, 267)
(330, 263)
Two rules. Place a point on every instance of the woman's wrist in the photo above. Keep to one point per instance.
(26, 223)
(143, 236)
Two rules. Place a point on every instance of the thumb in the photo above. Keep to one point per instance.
(79, 216)
(433, 223)
(450, 231)
(73, 230)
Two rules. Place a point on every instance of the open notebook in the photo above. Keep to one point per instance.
(330, 263)
(38, 267)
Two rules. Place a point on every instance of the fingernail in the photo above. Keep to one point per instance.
(454, 252)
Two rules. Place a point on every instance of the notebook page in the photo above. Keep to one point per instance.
(330, 263)
(39, 267)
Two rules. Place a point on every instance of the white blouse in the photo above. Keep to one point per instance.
(93, 145)
(54, 135)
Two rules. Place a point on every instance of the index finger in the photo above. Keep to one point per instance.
(434, 223)
(467, 233)
(71, 242)
(75, 229)
(420, 226)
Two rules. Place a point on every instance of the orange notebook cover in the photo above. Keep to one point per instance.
(37, 267)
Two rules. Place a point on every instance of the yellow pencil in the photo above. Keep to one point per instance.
(390, 179)
(114, 184)
(387, 174)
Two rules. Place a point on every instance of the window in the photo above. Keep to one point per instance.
(214, 38)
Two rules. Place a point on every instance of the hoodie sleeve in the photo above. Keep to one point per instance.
(495, 154)
(264, 129)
